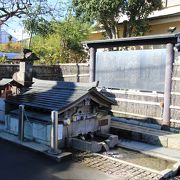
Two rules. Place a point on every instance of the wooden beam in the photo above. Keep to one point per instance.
(134, 41)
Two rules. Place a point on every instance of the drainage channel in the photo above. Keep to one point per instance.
(129, 164)
(116, 166)
(139, 159)
(120, 161)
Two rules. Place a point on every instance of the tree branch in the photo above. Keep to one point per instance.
(12, 8)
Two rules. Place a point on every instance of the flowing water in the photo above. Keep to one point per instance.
(139, 159)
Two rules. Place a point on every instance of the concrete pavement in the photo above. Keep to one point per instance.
(152, 150)
(19, 164)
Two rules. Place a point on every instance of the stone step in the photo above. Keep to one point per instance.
(145, 134)
(151, 150)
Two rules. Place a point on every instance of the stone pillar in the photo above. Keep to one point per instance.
(24, 75)
(92, 62)
(21, 123)
(78, 72)
(167, 87)
(54, 132)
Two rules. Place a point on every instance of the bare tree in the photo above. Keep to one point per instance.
(19, 8)
(11, 8)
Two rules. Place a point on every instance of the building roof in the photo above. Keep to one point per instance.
(10, 55)
(5, 37)
(59, 96)
(165, 12)
(4, 82)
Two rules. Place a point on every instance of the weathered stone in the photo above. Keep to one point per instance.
(112, 141)
(92, 146)
(47, 72)
(174, 141)
(155, 139)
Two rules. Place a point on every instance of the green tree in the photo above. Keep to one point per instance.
(37, 25)
(47, 48)
(3, 59)
(105, 12)
(109, 13)
(137, 12)
(72, 32)
(63, 44)
(38, 18)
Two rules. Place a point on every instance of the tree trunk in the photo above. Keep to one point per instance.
(30, 41)
(111, 29)
(129, 29)
(125, 23)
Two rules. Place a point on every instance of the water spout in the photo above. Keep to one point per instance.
(105, 146)
(81, 136)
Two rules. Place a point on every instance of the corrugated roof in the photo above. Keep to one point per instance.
(57, 95)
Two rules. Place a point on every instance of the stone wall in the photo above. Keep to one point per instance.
(7, 70)
(66, 72)
(143, 107)
(175, 97)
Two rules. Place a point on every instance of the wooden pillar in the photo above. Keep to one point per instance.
(168, 85)
(92, 62)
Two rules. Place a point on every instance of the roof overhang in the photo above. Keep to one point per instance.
(6, 81)
(134, 41)
(94, 95)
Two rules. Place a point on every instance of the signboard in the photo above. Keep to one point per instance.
(136, 69)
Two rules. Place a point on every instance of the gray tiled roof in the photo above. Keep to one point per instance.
(4, 82)
(57, 95)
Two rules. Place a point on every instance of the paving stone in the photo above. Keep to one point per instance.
(93, 166)
(105, 169)
(117, 168)
(116, 173)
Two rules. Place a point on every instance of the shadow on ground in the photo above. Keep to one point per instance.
(23, 164)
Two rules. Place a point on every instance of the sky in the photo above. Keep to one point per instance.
(16, 29)
(15, 26)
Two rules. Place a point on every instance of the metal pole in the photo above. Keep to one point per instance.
(54, 131)
(92, 64)
(21, 123)
(167, 87)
